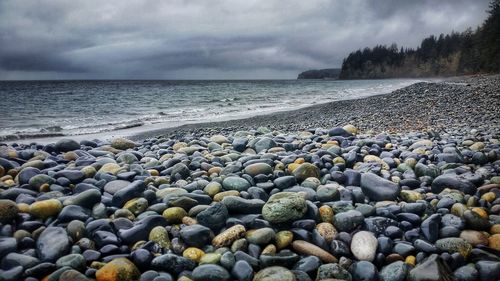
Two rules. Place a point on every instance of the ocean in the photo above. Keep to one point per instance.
(34, 109)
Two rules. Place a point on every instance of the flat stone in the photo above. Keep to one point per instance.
(284, 207)
(377, 188)
(210, 272)
(52, 243)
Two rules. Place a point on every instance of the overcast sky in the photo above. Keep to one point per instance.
(210, 39)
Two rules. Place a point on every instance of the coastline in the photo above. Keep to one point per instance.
(394, 112)
(441, 106)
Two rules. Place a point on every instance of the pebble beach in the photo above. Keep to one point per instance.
(401, 186)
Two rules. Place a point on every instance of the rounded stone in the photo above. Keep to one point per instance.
(347, 221)
(120, 269)
(210, 272)
(474, 237)
(454, 244)
(65, 145)
(284, 207)
(228, 236)
(75, 261)
(52, 243)
(210, 258)
(122, 143)
(235, 183)
(306, 170)
(494, 241)
(193, 253)
(196, 235)
(45, 208)
(8, 211)
(174, 215)
(160, 235)
(364, 271)
(364, 246)
(274, 273)
(212, 188)
(76, 230)
(136, 205)
(258, 169)
(396, 271)
(39, 180)
(110, 168)
(327, 231)
(283, 239)
(260, 236)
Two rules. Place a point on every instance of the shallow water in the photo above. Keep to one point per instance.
(55, 108)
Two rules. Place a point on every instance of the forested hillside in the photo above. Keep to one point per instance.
(468, 52)
(329, 73)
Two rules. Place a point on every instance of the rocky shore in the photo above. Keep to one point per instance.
(404, 186)
(453, 106)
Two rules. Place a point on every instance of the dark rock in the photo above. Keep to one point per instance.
(73, 212)
(430, 227)
(348, 221)
(449, 181)
(488, 270)
(125, 194)
(283, 258)
(14, 259)
(74, 176)
(210, 272)
(173, 263)
(308, 265)
(242, 271)
(52, 244)
(196, 235)
(214, 217)
(337, 131)
(7, 245)
(141, 229)
(379, 189)
(12, 274)
(238, 205)
(65, 145)
(466, 273)
(396, 271)
(364, 271)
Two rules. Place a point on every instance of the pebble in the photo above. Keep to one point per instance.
(364, 246)
(120, 269)
(274, 273)
(52, 243)
(306, 248)
(8, 210)
(210, 272)
(284, 207)
(228, 236)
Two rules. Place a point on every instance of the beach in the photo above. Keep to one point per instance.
(455, 104)
(396, 186)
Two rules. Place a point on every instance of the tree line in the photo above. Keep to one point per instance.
(468, 52)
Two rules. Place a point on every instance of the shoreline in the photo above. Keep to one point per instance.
(138, 131)
(357, 111)
(360, 112)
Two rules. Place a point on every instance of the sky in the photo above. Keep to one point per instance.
(210, 39)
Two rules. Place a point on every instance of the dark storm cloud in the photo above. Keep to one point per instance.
(210, 39)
